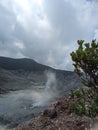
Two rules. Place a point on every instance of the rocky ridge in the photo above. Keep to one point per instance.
(59, 116)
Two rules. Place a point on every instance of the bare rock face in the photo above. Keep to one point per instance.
(50, 113)
(20, 74)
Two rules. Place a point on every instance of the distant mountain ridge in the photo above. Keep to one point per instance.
(18, 74)
(21, 64)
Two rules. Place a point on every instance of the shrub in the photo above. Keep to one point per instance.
(85, 60)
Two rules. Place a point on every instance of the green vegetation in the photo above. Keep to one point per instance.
(85, 60)
(84, 102)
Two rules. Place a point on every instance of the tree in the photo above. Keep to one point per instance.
(85, 60)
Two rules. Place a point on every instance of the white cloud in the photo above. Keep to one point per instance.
(46, 30)
(96, 34)
(19, 45)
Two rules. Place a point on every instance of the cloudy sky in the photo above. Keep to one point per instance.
(46, 30)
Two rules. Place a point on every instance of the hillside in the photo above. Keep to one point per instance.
(21, 64)
(43, 83)
(17, 74)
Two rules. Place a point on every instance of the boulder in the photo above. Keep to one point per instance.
(52, 113)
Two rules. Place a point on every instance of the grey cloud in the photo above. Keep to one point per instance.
(6, 24)
(71, 22)
(48, 33)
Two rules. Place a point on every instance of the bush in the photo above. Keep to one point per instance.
(85, 60)
(83, 105)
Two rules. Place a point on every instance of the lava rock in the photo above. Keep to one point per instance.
(52, 113)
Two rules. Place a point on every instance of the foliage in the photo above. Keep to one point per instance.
(85, 60)
(83, 103)
(93, 110)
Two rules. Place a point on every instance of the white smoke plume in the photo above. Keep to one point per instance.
(49, 92)
(51, 83)
(24, 100)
